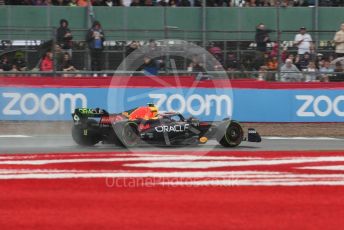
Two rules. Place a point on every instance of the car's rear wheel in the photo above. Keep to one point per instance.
(116, 140)
(233, 135)
(130, 135)
(84, 137)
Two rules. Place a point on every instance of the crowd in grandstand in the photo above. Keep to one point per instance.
(174, 3)
(302, 64)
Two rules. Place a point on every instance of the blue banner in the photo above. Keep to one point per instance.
(249, 105)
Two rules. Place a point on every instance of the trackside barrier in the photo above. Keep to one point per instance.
(53, 98)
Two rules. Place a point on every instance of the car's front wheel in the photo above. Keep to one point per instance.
(233, 135)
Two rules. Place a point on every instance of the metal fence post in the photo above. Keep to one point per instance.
(278, 5)
(204, 23)
(316, 24)
(53, 34)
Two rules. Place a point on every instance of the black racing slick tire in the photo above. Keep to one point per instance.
(117, 141)
(233, 135)
(84, 137)
(130, 136)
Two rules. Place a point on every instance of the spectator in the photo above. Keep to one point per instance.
(59, 3)
(275, 49)
(307, 2)
(248, 63)
(162, 3)
(95, 38)
(23, 2)
(222, 3)
(135, 59)
(135, 3)
(232, 63)
(291, 57)
(111, 3)
(251, 3)
(297, 61)
(39, 3)
(132, 47)
(262, 37)
(47, 62)
(19, 61)
(153, 51)
(263, 73)
(97, 3)
(284, 54)
(311, 72)
(14, 68)
(238, 3)
(326, 67)
(217, 54)
(303, 41)
(318, 59)
(184, 3)
(339, 41)
(330, 57)
(326, 70)
(327, 2)
(339, 76)
(148, 3)
(289, 72)
(82, 3)
(172, 3)
(150, 67)
(313, 53)
(302, 62)
(64, 37)
(210, 3)
(67, 63)
(196, 65)
(272, 63)
(263, 3)
(73, 3)
(122, 2)
(259, 60)
(197, 3)
(4, 64)
(58, 57)
(214, 49)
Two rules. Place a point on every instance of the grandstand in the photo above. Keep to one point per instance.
(228, 32)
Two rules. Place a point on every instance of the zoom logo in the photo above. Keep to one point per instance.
(47, 104)
(195, 104)
(321, 106)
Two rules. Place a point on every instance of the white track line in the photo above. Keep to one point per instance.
(303, 138)
(327, 167)
(171, 158)
(241, 178)
(215, 164)
(14, 136)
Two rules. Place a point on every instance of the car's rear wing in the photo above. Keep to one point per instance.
(85, 113)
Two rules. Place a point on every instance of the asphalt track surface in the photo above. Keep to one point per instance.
(64, 143)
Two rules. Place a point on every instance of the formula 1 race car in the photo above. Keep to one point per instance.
(146, 125)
